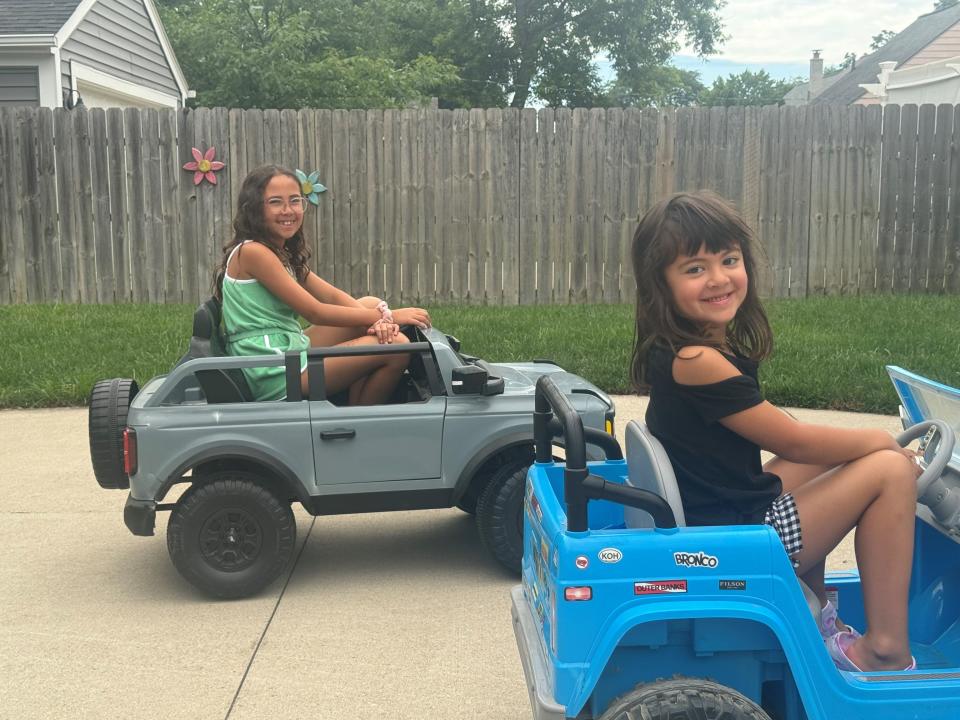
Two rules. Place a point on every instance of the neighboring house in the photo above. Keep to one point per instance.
(922, 55)
(103, 53)
(803, 93)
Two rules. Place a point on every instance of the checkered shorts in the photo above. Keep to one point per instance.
(783, 517)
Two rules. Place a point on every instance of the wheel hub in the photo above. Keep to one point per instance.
(230, 540)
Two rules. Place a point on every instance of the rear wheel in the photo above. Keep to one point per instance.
(684, 699)
(107, 417)
(500, 514)
(231, 536)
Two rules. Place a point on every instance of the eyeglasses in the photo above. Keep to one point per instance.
(297, 203)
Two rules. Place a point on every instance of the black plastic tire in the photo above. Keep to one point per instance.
(231, 536)
(106, 418)
(684, 699)
(500, 514)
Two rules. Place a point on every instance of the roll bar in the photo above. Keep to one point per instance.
(579, 486)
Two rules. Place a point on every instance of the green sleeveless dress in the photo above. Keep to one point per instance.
(256, 322)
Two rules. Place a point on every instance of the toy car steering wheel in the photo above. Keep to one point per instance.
(936, 446)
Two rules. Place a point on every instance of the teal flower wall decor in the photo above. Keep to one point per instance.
(310, 185)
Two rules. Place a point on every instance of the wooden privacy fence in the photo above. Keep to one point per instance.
(487, 206)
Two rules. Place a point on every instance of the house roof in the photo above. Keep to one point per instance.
(34, 17)
(799, 92)
(901, 47)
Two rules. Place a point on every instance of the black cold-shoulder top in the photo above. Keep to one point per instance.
(720, 475)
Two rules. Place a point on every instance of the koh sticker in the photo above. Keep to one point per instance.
(697, 559)
(610, 555)
(582, 562)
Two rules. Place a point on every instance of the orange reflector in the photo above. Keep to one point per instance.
(578, 593)
(130, 451)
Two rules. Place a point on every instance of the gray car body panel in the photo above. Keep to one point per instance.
(436, 444)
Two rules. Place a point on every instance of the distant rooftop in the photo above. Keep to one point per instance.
(34, 17)
(901, 47)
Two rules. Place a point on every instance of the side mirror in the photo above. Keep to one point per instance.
(474, 380)
(468, 380)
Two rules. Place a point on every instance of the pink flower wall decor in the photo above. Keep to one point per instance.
(203, 166)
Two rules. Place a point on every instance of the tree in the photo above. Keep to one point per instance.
(849, 61)
(663, 86)
(559, 38)
(747, 88)
(332, 53)
(883, 37)
(295, 53)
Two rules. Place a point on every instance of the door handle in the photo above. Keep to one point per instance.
(338, 434)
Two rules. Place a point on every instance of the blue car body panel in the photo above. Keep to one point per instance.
(713, 602)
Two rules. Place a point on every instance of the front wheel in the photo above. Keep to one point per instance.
(500, 514)
(684, 699)
(231, 536)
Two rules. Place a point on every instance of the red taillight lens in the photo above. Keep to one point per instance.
(578, 593)
(130, 451)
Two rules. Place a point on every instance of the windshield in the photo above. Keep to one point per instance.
(924, 399)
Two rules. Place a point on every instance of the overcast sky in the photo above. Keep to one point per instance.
(779, 35)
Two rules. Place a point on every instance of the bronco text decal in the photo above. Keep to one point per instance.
(697, 559)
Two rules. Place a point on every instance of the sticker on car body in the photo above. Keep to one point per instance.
(660, 587)
(695, 559)
(610, 555)
(733, 585)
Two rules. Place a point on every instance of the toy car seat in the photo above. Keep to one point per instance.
(219, 386)
(650, 469)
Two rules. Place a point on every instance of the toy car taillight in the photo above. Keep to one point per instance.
(578, 593)
(130, 451)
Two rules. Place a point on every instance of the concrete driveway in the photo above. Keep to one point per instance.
(397, 615)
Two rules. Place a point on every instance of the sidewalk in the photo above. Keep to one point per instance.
(398, 615)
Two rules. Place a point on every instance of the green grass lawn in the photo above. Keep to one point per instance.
(830, 352)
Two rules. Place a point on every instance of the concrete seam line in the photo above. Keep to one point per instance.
(266, 627)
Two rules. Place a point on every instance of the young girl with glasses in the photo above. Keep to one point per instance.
(265, 284)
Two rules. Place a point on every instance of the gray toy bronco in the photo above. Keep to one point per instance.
(457, 432)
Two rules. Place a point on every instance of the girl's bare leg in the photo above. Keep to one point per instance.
(328, 336)
(371, 378)
(793, 476)
(877, 494)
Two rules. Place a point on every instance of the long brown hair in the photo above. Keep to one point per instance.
(248, 224)
(681, 225)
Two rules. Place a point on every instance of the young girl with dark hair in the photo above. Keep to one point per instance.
(265, 284)
(700, 334)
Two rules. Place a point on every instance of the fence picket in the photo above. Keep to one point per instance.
(610, 207)
(940, 181)
(923, 200)
(100, 176)
(50, 240)
(869, 201)
(170, 177)
(67, 206)
(907, 169)
(152, 205)
(890, 158)
(31, 250)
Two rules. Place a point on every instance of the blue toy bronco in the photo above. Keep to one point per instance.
(625, 614)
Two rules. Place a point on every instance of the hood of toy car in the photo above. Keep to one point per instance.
(521, 379)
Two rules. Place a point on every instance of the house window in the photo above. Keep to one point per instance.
(19, 86)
